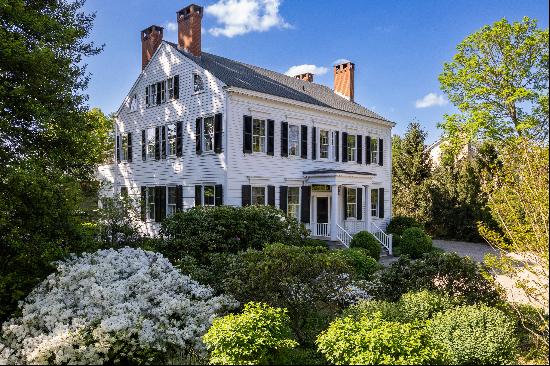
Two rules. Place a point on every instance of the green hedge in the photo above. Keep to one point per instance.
(366, 240)
(415, 242)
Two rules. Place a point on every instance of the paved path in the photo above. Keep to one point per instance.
(476, 251)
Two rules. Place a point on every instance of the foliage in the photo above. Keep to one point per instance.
(499, 82)
(227, 229)
(446, 273)
(364, 266)
(411, 172)
(259, 335)
(88, 312)
(398, 224)
(116, 222)
(518, 200)
(366, 240)
(372, 340)
(475, 335)
(415, 242)
(312, 242)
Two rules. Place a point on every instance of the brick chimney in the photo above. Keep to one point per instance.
(344, 80)
(189, 29)
(151, 38)
(306, 76)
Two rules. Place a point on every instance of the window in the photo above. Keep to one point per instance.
(150, 143)
(293, 140)
(151, 203)
(162, 91)
(133, 103)
(293, 202)
(374, 151)
(197, 83)
(323, 144)
(374, 202)
(258, 135)
(124, 147)
(171, 138)
(351, 203)
(153, 98)
(124, 192)
(333, 145)
(208, 134)
(173, 87)
(171, 201)
(258, 196)
(352, 148)
(209, 197)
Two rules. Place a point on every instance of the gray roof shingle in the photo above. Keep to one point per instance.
(241, 75)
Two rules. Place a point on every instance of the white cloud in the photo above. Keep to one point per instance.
(239, 17)
(171, 26)
(430, 100)
(340, 61)
(302, 69)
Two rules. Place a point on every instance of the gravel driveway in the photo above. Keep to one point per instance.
(476, 251)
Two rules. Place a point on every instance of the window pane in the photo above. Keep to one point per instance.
(124, 138)
(351, 148)
(351, 204)
(209, 197)
(374, 202)
(374, 150)
(293, 202)
(323, 138)
(208, 134)
(171, 137)
(293, 140)
(150, 142)
(197, 83)
(151, 203)
(258, 135)
(171, 206)
(258, 195)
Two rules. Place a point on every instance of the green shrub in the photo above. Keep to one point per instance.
(399, 224)
(446, 273)
(415, 242)
(202, 230)
(311, 242)
(259, 335)
(373, 308)
(374, 341)
(364, 265)
(366, 240)
(475, 335)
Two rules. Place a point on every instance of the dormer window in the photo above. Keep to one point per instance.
(198, 85)
(133, 103)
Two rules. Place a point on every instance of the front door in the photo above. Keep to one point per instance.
(322, 210)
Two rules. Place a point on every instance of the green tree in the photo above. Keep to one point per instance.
(411, 171)
(499, 82)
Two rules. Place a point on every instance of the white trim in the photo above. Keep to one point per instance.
(258, 181)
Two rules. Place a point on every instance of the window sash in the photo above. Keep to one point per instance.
(163, 91)
(323, 144)
(171, 88)
(153, 89)
(258, 135)
(208, 133)
(351, 204)
(209, 195)
(374, 151)
(150, 143)
(258, 196)
(171, 201)
(374, 202)
(133, 103)
(293, 202)
(124, 143)
(352, 148)
(197, 83)
(293, 140)
(171, 137)
(150, 203)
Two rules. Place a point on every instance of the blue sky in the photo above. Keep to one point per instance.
(398, 47)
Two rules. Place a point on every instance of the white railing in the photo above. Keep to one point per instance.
(320, 229)
(382, 237)
(343, 235)
(354, 226)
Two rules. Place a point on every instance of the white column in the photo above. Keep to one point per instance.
(368, 217)
(334, 205)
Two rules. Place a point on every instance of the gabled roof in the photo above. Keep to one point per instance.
(241, 75)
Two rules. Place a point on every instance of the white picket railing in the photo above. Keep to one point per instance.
(343, 235)
(354, 226)
(320, 229)
(382, 237)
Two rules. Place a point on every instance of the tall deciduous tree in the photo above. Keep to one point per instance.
(499, 82)
(411, 171)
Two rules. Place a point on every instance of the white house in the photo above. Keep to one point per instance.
(200, 129)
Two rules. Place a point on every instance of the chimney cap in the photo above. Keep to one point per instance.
(151, 28)
(188, 10)
(307, 76)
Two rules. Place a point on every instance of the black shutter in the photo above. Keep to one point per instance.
(313, 143)
(284, 138)
(367, 148)
(130, 152)
(218, 133)
(157, 143)
(143, 203)
(198, 136)
(270, 137)
(218, 192)
(176, 87)
(179, 139)
(158, 204)
(337, 147)
(198, 195)
(359, 203)
(143, 146)
(344, 147)
(306, 197)
(246, 195)
(359, 140)
(247, 135)
(283, 198)
(381, 203)
(345, 201)
(380, 152)
(179, 198)
(303, 148)
(118, 148)
(271, 195)
(163, 142)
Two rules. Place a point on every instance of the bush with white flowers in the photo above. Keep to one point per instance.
(125, 305)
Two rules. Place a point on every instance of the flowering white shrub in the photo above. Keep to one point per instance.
(111, 306)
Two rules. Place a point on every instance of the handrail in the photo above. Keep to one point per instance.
(382, 237)
(354, 226)
(343, 235)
